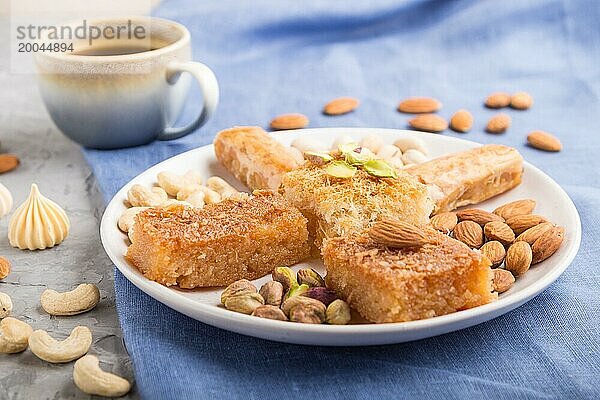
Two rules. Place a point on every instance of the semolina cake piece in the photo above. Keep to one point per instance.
(220, 243)
(395, 285)
(470, 177)
(339, 207)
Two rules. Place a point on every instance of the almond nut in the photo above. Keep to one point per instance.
(544, 141)
(341, 105)
(8, 162)
(547, 244)
(498, 230)
(289, 121)
(444, 222)
(4, 267)
(428, 123)
(494, 251)
(461, 121)
(477, 215)
(497, 100)
(470, 233)
(521, 223)
(502, 280)
(499, 123)
(521, 101)
(532, 234)
(418, 105)
(518, 258)
(515, 208)
(397, 234)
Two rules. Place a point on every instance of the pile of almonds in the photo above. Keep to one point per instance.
(511, 237)
(300, 297)
(426, 119)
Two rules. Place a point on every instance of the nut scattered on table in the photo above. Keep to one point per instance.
(6, 305)
(544, 141)
(90, 379)
(14, 335)
(498, 100)
(77, 301)
(8, 162)
(49, 349)
(4, 267)
(419, 105)
(499, 123)
(461, 121)
(521, 101)
(428, 123)
(341, 105)
(289, 121)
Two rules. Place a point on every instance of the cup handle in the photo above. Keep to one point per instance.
(210, 92)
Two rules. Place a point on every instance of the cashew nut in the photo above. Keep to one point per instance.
(14, 335)
(210, 196)
(196, 199)
(90, 379)
(127, 219)
(187, 191)
(387, 151)
(6, 305)
(49, 349)
(220, 186)
(79, 300)
(140, 196)
(173, 183)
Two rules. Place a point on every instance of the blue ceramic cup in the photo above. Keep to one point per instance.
(113, 93)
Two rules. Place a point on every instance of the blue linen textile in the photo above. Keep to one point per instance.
(292, 56)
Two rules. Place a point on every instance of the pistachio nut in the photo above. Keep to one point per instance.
(285, 276)
(269, 312)
(338, 313)
(237, 287)
(340, 169)
(272, 293)
(297, 290)
(296, 300)
(310, 277)
(244, 303)
(324, 295)
(358, 156)
(307, 314)
(317, 158)
(380, 169)
(347, 147)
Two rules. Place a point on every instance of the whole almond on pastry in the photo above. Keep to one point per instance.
(341, 105)
(547, 244)
(494, 251)
(515, 208)
(477, 215)
(502, 280)
(428, 123)
(521, 101)
(444, 222)
(521, 223)
(419, 105)
(289, 121)
(470, 233)
(498, 230)
(533, 234)
(499, 123)
(461, 121)
(497, 100)
(518, 258)
(8, 162)
(397, 234)
(544, 141)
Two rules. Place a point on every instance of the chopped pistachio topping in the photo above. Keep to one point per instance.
(317, 158)
(340, 169)
(348, 147)
(380, 169)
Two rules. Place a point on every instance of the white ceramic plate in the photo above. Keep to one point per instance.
(203, 304)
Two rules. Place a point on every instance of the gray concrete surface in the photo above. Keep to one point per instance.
(57, 166)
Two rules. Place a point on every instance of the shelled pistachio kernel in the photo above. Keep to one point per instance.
(317, 158)
(297, 290)
(285, 276)
(338, 313)
(237, 287)
(310, 277)
(340, 169)
(245, 302)
(380, 169)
